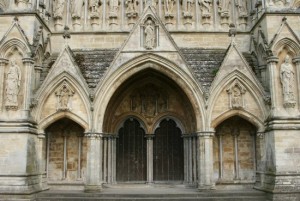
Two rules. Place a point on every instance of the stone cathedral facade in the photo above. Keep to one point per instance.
(201, 93)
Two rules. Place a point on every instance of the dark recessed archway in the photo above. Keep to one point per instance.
(150, 95)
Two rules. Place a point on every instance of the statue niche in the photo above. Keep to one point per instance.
(236, 93)
(13, 82)
(131, 11)
(287, 78)
(150, 34)
(64, 94)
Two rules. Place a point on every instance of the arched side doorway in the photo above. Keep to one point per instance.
(235, 151)
(66, 150)
(168, 152)
(131, 152)
(152, 98)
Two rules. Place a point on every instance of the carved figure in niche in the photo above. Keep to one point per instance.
(113, 8)
(224, 6)
(151, 2)
(131, 10)
(242, 7)
(287, 80)
(277, 2)
(76, 8)
(13, 82)
(58, 9)
(169, 7)
(205, 7)
(63, 94)
(187, 7)
(236, 97)
(22, 3)
(149, 34)
(94, 7)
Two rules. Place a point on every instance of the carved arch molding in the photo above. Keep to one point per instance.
(150, 97)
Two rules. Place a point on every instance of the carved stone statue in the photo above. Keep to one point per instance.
(242, 7)
(113, 8)
(76, 8)
(224, 6)
(22, 3)
(236, 97)
(277, 2)
(187, 7)
(287, 81)
(13, 82)
(58, 9)
(205, 7)
(169, 8)
(151, 2)
(149, 34)
(63, 94)
(131, 10)
(94, 8)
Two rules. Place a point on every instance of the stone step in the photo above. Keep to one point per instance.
(118, 195)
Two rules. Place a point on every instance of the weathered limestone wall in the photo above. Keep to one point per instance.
(225, 138)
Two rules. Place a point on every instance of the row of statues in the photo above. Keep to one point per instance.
(132, 7)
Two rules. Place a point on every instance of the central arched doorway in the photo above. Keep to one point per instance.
(144, 116)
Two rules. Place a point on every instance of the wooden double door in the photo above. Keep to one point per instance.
(133, 150)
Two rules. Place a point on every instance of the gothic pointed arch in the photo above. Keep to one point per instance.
(239, 96)
(162, 68)
(286, 43)
(64, 95)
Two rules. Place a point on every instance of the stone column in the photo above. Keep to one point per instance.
(296, 61)
(205, 167)
(272, 63)
(3, 63)
(94, 162)
(149, 158)
(28, 76)
(38, 70)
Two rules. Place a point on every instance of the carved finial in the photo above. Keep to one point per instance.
(66, 34)
(16, 19)
(284, 19)
(232, 30)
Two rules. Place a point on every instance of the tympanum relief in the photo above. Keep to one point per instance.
(64, 96)
(236, 93)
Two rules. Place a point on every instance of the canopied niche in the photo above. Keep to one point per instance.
(149, 96)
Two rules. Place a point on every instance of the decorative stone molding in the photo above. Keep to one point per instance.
(64, 94)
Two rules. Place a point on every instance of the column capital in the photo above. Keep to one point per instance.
(296, 60)
(93, 135)
(3, 61)
(206, 134)
(28, 60)
(149, 136)
(260, 135)
(272, 59)
(38, 68)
